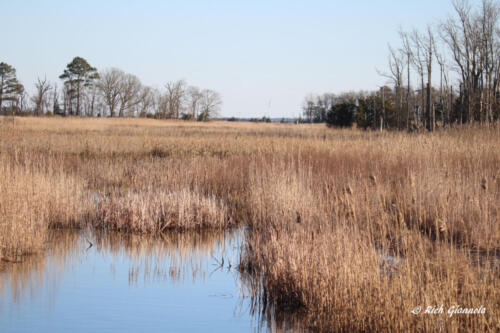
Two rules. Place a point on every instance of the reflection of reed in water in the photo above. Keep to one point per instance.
(267, 317)
(29, 274)
(168, 255)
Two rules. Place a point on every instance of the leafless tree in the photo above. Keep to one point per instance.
(194, 98)
(408, 53)
(109, 85)
(92, 98)
(488, 18)
(40, 99)
(418, 58)
(146, 101)
(210, 104)
(443, 85)
(55, 100)
(129, 88)
(308, 107)
(175, 97)
(396, 68)
(459, 36)
(428, 46)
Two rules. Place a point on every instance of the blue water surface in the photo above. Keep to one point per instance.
(184, 282)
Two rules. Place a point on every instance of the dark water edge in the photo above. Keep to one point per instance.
(116, 282)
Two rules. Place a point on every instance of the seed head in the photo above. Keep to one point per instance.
(484, 183)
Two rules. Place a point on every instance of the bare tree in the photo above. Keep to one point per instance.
(443, 85)
(308, 106)
(130, 86)
(419, 64)
(408, 53)
(396, 68)
(55, 100)
(161, 104)
(109, 85)
(462, 37)
(428, 46)
(210, 104)
(146, 101)
(40, 99)
(194, 99)
(92, 97)
(174, 97)
(488, 18)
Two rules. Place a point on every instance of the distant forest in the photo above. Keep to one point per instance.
(110, 92)
(463, 51)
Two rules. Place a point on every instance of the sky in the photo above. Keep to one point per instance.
(263, 57)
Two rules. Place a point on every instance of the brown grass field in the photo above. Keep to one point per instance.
(351, 230)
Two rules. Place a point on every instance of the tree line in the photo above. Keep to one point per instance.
(463, 51)
(85, 91)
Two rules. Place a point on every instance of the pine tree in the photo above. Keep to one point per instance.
(10, 87)
(78, 75)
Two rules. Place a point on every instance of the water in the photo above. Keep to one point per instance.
(179, 282)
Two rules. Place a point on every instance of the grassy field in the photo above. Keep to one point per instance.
(350, 229)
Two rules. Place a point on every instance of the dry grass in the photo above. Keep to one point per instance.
(154, 212)
(32, 201)
(348, 252)
(351, 229)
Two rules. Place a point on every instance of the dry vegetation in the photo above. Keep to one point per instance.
(351, 229)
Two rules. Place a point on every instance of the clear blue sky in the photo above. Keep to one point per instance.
(255, 53)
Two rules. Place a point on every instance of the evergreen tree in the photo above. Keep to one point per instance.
(364, 115)
(10, 88)
(78, 75)
(341, 115)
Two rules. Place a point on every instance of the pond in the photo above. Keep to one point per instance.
(116, 282)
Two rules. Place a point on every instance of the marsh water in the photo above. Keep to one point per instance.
(115, 282)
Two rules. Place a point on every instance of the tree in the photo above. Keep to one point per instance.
(488, 18)
(443, 86)
(194, 98)
(407, 51)
(419, 63)
(364, 115)
(56, 109)
(464, 38)
(210, 104)
(146, 101)
(308, 107)
(428, 46)
(316, 106)
(92, 98)
(78, 75)
(396, 67)
(109, 86)
(129, 89)
(40, 99)
(341, 115)
(174, 98)
(10, 88)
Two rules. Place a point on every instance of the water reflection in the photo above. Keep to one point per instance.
(172, 256)
(107, 281)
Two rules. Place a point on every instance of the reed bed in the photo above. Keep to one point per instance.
(344, 254)
(349, 230)
(155, 212)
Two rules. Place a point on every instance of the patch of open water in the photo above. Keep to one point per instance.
(116, 282)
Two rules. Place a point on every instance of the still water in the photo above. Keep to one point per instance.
(115, 282)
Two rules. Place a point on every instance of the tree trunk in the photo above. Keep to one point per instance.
(408, 97)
